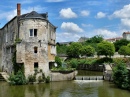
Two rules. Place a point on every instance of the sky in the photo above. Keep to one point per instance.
(76, 18)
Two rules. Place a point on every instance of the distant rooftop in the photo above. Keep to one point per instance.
(126, 32)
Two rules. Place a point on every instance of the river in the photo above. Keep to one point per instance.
(76, 88)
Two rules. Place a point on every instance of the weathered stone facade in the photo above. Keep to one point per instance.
(35, 47)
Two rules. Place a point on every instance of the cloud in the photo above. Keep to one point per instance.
(125, 22)
(67, 13)
(124, 16)
(87, 25)
(106, 33)
(65, 37)
(100, 15)
(122, 13)
(85, 13)
(71, 27)
(54, 0)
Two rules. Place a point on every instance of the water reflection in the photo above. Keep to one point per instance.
(80, 88)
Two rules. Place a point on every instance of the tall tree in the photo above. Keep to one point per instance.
(105, 48)
(87, 50)
(95, 39)
(119, 43)
(73, 50)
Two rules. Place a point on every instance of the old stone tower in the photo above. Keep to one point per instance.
(34, 37)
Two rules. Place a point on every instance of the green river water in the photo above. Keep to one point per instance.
(76, 88)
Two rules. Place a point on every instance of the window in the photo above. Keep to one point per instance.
(36, 65)
(33, 32)
(53, 50)
(35, 49)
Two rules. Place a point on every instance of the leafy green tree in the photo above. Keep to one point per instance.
(95, 39)
(61, 49)
(124, 50)
(73, 50)
(120, 76)
(128, 45)
(119, 43)
(105, 48)
(87, 50)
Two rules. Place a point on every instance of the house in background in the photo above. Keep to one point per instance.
(112, 40)
(126, 35)
(35, 40)
(83, 39)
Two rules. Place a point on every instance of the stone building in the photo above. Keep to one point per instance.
(126, 35)
(34, 37)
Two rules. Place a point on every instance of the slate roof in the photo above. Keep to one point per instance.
(34, 14)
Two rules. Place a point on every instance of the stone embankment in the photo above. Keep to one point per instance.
(59, 76)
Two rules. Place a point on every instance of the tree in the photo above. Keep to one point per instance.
(124, 50)
(105, 48)
(128, 45)
(95, 39)
(73, 50)
(119, 43)
(87, 50)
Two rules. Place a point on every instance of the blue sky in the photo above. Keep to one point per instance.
(76, 18)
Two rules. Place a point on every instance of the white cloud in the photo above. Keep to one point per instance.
(101, 15)
(87, 25)
(125, 22)
(54, 0)
(67, 13)
(71, 27)
(66, 37)
(122, 13)
(85, 13)
(124, 16)
(106, 33)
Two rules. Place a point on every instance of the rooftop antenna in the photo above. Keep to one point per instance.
(33, 8)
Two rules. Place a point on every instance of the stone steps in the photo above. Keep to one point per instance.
(2, 78)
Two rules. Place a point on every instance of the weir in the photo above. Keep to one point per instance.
(89, 78)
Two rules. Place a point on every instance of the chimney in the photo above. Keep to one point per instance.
(18, 9)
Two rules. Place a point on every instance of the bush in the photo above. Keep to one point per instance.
(31, 78)
(18, 79)
(120, 76)
(47, 79)
(40, 79)
(73, 63)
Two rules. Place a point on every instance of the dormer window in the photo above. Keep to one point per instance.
(33, 32)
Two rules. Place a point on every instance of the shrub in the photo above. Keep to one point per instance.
(73, 63)
(18, 79)
(31, 78)
(40, 79)
(120, 76)
(47, 79)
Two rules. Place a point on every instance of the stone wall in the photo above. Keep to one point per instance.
(57, 76)
(8, 36)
